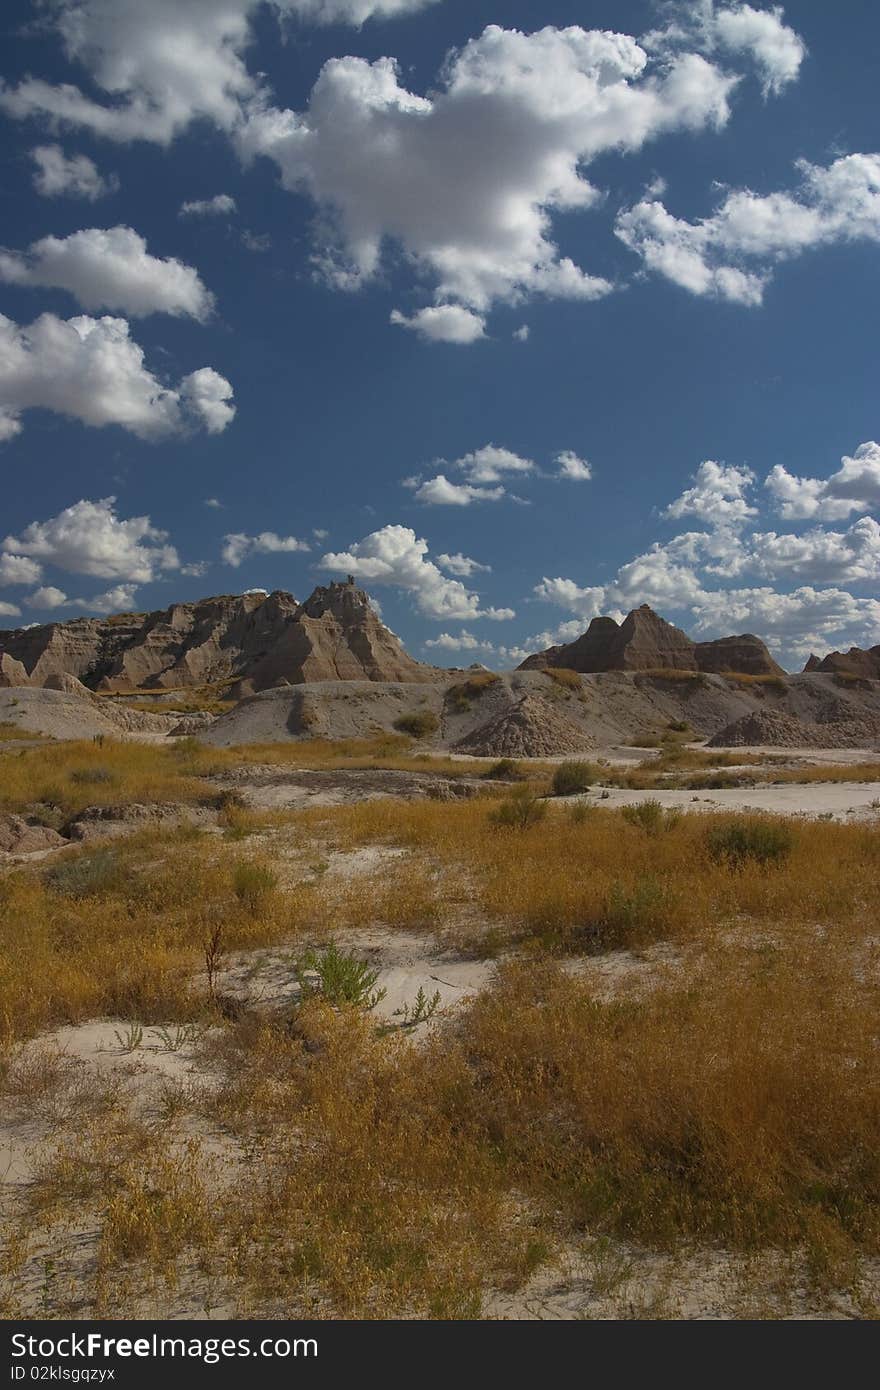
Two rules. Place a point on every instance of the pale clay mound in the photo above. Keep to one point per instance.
(530, 729)
(767, 727)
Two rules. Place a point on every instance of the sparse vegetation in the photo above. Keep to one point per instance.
(712, 1085)
(750, 840)
(505, 770)
(563, 677)
(521, 810)
(421, 724)
(459, 698)
(573, 778)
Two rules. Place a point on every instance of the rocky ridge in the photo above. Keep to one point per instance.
(646, 642)
(250, 641)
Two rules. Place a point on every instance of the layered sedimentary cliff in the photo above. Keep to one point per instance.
(646, 642)
(251, 639)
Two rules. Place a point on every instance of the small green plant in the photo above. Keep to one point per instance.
(131, 1039)
(421, 724)
(519, 811)
(183, 1035)
(638, 907)
(339, 978)
(647, 815)
(740, 842)
(678, 726)
(423, 1007)
(572, 778)
(214, 950)
(87, 876)
(253, 883)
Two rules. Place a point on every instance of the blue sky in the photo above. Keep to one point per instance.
(520, 312)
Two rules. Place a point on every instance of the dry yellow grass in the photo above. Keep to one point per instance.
(731, 1102)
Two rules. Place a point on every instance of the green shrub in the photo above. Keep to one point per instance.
(88, 875)
(418, 725)
(571, 778)
(519, 811)
(737, 843)
(647, 815)
(339, 978)
(635, 908)
(253, 884)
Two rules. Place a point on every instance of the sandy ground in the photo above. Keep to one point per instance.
(842, 801)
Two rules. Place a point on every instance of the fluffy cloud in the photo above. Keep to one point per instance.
(238, 546)
(682, 574)
(575, 469)
(799, 622)
(76, 176)
(165, 64)
(48, 597)
(462, 565)
(110, 269)
(9, 610)
(443, 323)
(463, 641)
(90, 370)
(18, 569)
(89, 538)
(484, 471)
(440, 492)
(775, 48)
(717, 496)
(221, 205)
(854, 487)
(466, 180)
(587, 603)
(395, 556)
(712, 256)
(119, 599)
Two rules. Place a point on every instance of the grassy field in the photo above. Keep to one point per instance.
(719, 1094)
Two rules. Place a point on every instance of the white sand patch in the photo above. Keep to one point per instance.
(842, 801)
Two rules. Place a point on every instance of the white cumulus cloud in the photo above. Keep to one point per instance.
(91, 370)
(731, 254)
(47, 597)
(162, 64)
(463, 641)
(238, 546)
(443, 323)
(89, 538)
(718, 495)
(221, 205)
(467, 180)
(573, 468)
(761, 34)
(19, 569)
(58, 175)
(854, 487)
(110, 269)
(396, 556)
(462, 565)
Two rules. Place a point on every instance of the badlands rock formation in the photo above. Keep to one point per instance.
(646, 642)
(863, 664)
(252, 639)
